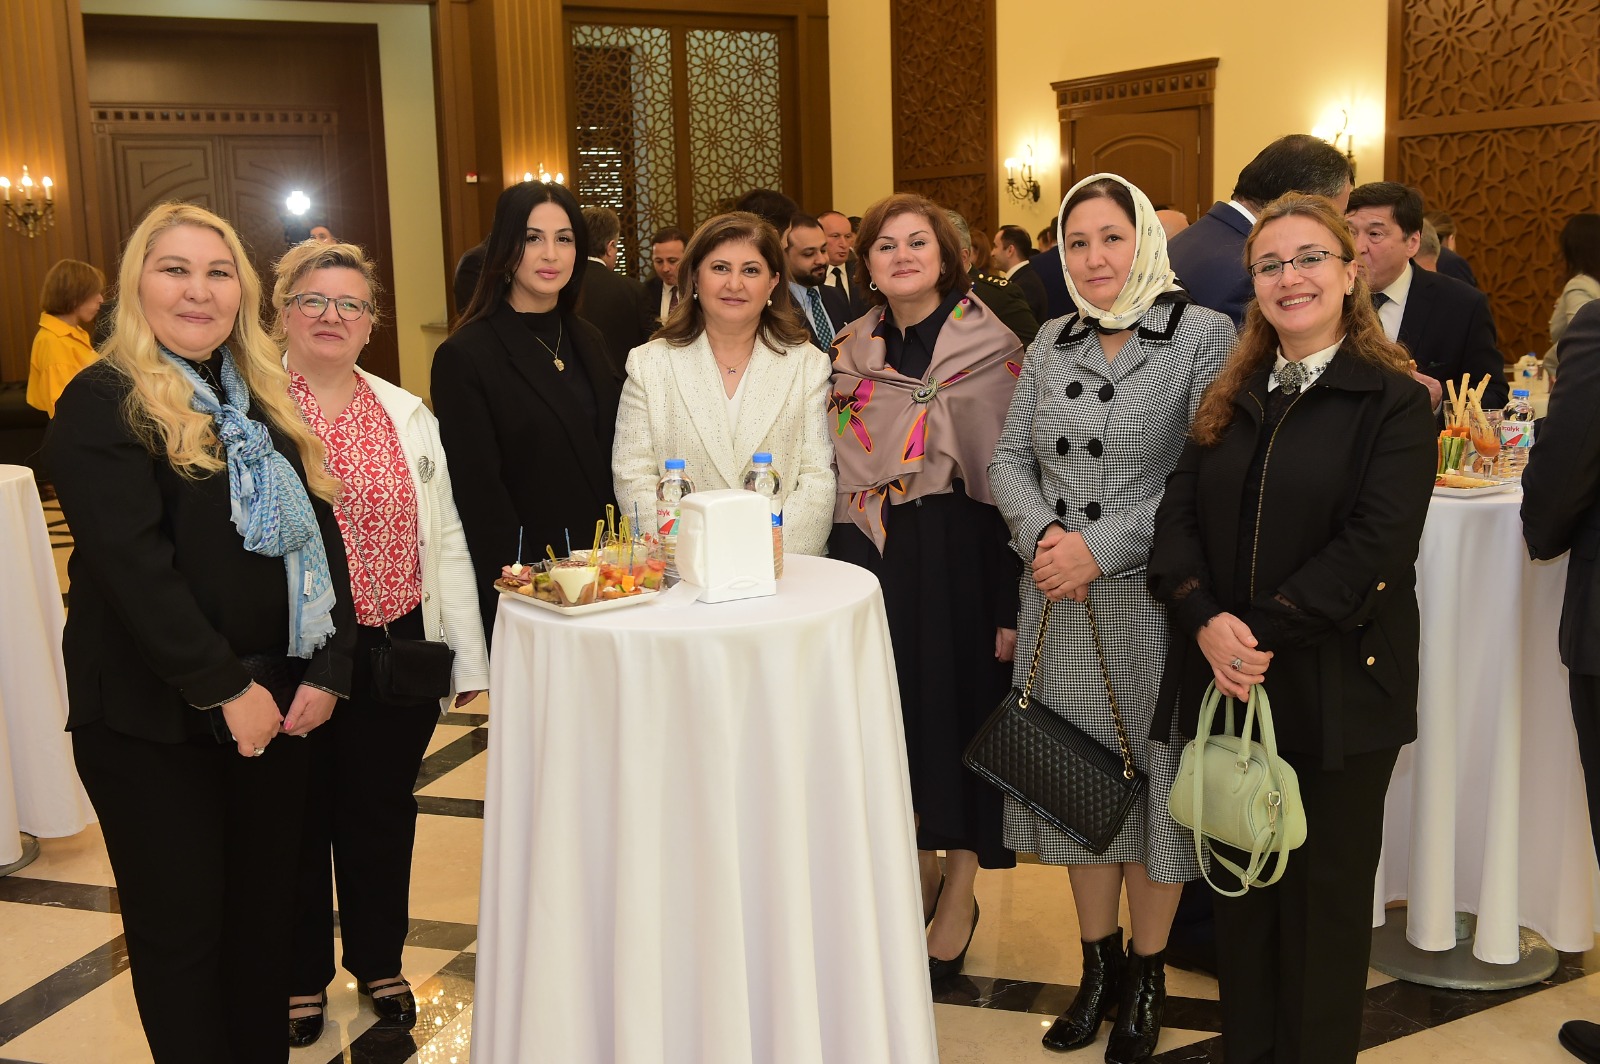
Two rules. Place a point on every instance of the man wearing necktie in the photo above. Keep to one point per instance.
(823, 309)
(661, 291)
(841, 272)
(1445, 324)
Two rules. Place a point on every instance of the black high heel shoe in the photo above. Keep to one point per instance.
(304, 1030)
(942, 969)
(394, 1010)
(1098, 993)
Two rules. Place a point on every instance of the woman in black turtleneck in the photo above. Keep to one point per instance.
(524, 392)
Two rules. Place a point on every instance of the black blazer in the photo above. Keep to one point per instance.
(855, 295)
(1047, 267)
(615, 305)
(1453, 265)
(1208, 258)
(1027, 280)
(165, 598)
(834, 305)
(1561, 489)
(652, 304)
(1345, 491)
(1449, 331)
(521, 455)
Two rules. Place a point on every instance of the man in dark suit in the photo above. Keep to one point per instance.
(823, 309)
(841, 271)
(610, 302)
(1451, 264)
(1561, 513)
(1445, 324)
(1012, 250)
(1047, 266)
(1208, 257)
(661, 291)
(1002, 297)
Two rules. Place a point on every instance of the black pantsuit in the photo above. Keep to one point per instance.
(1313, 928)
(200, 884)
(1585, 692)
(364, 765)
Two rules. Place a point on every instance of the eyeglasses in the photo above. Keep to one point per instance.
(1305, 262)
(314, 304)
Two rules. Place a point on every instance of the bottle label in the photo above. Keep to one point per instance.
(777, 519)
(667, 520)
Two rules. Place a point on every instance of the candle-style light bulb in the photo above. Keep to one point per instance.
(27, 185)
(5, 186)
(527, 175)
(48, 185)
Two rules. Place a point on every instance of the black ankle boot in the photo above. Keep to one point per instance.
(1098, 992)
(1144, 996)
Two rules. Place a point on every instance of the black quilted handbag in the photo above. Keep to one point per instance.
(1052, 766)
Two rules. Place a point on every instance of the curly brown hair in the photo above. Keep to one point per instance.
(952, 277)
(1257, 346)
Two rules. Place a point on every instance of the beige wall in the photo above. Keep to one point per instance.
(1043, 42)
(405, 53)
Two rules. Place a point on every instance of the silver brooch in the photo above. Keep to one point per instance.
(425, 469)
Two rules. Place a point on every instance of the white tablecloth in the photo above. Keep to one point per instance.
(698, 843)
(1486, 812)
(39, 788)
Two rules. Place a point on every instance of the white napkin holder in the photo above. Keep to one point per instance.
(725, 545)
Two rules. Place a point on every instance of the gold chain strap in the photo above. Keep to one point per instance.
(1128, 771)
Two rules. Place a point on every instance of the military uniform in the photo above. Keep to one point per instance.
(1007, 302)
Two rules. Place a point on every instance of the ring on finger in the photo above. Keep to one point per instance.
(1236, 664)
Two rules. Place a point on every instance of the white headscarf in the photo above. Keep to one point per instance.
(1149, 276)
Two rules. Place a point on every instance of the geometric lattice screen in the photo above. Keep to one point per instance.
(662, 157)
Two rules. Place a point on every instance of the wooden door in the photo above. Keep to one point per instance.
(1159, 151)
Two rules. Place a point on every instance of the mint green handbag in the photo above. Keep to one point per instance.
(1239, 793)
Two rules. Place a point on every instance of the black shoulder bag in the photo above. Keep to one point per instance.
(406, 671)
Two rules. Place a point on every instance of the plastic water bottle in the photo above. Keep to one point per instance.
(670, 490)
(760, 477)
(1516, 432)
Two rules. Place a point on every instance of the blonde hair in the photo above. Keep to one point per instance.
(307, 257)
(158, 405)
(1257, 347)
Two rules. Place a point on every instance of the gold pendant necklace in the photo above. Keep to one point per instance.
(554, 357)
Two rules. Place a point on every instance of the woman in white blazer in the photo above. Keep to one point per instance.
(732, 372)
(408, 569)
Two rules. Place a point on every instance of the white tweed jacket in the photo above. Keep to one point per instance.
(449, 592)
(674, 406)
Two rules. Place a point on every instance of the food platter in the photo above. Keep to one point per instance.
(1489, 486)
(581, 611)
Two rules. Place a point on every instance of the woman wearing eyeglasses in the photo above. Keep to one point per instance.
(1285, 552)
(408, 570)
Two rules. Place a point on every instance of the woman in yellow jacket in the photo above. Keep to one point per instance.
(73, 292)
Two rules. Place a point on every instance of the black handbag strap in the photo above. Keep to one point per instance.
(1128, 771)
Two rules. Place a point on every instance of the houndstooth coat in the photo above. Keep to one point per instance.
(1088, 445)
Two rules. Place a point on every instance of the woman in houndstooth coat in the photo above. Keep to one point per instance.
(1097, 422)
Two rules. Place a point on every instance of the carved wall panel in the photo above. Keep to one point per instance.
(735, 114)
(1494, 114)
(944, 108)
(1468, 57)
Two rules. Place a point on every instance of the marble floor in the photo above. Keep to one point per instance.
(66, 996)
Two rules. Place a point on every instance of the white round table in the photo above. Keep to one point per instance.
(1486, 811)
(39, 789)
(698, 841)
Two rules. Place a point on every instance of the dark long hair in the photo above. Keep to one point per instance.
(780, 325)
(1580, 245)
(1257, 346)
(507, 239)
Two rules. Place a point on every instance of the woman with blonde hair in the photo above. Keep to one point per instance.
(731, 373)
(73, 292)
(1285, 552)
(411, 577)
(210, 615)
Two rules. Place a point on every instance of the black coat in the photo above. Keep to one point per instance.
(1208, 258)
(1561, 488)
(616, 306)
(521, 454)
(1344, 494)
(165, 598)
(1449, 331)
(1048, 268)
(1026, 279)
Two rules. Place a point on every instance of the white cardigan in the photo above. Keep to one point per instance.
(449, 592)
(674, 406)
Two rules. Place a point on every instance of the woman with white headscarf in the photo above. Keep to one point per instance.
(1099, 417)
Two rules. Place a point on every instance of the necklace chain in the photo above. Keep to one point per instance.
(554, 352)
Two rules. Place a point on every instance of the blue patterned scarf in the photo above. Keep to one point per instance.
(269, 504)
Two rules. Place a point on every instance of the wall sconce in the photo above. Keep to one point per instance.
(545, 176)
(29, 216)
(1020, 184)
(295, 207)
(1328, 133)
